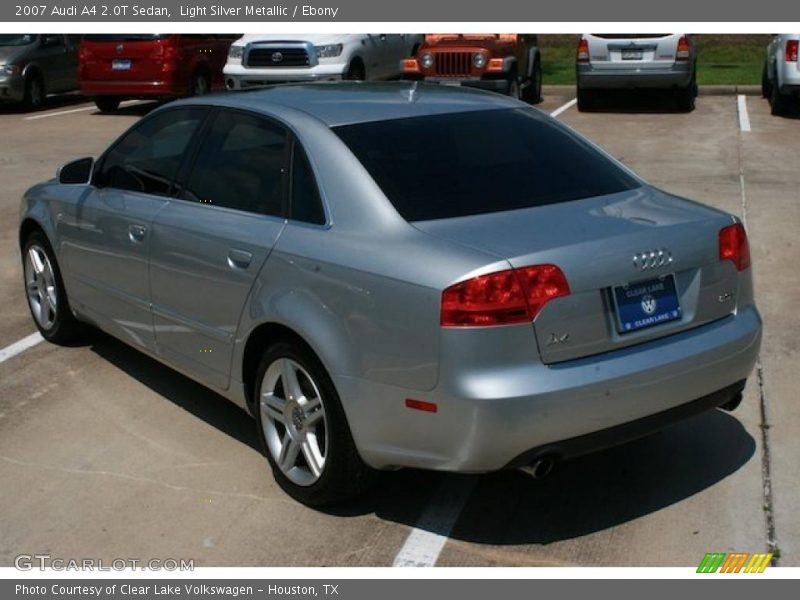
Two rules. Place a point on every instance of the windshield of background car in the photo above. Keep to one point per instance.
(124, 37)
(16, 39)
(469, 163)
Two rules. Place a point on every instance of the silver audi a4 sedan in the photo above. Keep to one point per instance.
(397, 275)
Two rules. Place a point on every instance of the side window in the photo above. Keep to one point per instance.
(306, 204)
(148, 157)
(241, 164)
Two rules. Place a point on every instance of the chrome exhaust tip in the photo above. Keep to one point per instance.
(540, 469)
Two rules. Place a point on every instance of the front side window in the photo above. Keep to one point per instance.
(147, 158)
(241, 164)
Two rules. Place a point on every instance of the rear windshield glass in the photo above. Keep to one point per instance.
(470, 163)
(123, 37)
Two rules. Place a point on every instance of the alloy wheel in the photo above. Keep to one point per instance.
(40, 285)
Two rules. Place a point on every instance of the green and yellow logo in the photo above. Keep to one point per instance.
(735, 562)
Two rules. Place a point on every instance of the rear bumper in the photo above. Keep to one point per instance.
(133, 89)
(493, 413)
(12, 88)
(591, 78)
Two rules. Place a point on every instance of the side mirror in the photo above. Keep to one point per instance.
(77, 172)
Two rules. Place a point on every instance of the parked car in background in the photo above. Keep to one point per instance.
(34, 65)
(780, 80)
(115, 67)
(505, 63)
(259, 60)
(619, 61)
(397, 275)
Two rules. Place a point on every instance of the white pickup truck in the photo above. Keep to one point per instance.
(257, 60)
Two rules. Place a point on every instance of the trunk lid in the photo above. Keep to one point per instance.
(643, 51)
(594, 242)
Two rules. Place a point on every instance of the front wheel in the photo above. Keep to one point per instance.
(303, 429)
(44, 289)
(356, 71)
(34, 92)
(512, 86)
(532, 92)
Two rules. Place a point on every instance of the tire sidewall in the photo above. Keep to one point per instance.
(61, 329)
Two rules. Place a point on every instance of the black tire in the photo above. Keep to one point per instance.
(107, 104)
(344, 475)
(685, 98)
(200, 84)
(766, 86)
(532, 92)
(512, 86)
(65, 328)
(587, 100)
(779, 104)
(356, 71)
(34, 92)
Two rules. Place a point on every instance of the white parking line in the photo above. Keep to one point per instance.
(77, 110)
(20, 346)
(425, 542)
(744, 119)
(564, 107)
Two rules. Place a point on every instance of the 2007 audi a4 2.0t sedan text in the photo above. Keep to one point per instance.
(397, 275)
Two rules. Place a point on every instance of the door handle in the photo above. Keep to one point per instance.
(136, 233)
(239, 259)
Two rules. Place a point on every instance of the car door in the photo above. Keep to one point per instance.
(53, 61)
(209, 245)
(107, 233)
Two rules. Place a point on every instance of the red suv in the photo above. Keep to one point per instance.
(113, 67)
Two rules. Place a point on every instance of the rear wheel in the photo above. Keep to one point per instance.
(532, 93)
(34, 92)
(766, 86)
(587, 99)
(107, 103)
(45, 292)
(778, 103)
(200, 84)
(303, 429)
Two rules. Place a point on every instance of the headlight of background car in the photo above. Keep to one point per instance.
(479, 60)
(328, 50)
(9, 70)
(426, 60)
(236, 52)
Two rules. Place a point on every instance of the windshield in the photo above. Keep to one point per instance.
(123, 37)
(470, 163)
(16, 39)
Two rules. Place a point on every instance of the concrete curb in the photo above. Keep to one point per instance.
(704, 90)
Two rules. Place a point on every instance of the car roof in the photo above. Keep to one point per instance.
(347, 103)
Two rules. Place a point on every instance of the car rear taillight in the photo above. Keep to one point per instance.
(791, 51)
(733, 246)
(501, 298)
(583, 51)
(683, 49)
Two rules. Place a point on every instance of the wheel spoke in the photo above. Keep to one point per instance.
(314, 411)
(290, 448)
(291, 386)
(312, 455)
(36, 261)
(272, 407)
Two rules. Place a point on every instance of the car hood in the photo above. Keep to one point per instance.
(10, 53)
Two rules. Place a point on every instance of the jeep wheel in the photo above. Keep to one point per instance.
(512, 86)
(532, 92)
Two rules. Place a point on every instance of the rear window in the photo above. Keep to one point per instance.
(470, 163)
(124, 37)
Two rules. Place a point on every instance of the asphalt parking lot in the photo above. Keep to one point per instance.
(105, 453)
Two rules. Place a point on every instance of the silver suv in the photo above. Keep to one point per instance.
(780, 80)
(636, 60)
(34, 65)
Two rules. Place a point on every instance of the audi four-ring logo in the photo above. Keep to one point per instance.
(652, 259)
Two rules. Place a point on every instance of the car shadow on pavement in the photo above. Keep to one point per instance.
(636, 101)
(53, 102)
(193, 397)
(580, 497)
